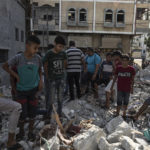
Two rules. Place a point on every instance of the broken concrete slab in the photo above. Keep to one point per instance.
(111, 126)
(89, 139)
(128, 144)
(104, 145)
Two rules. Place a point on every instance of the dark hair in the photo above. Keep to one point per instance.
(117, 53)
(50, 46)
(125, 57)
(72, 43)
(33, 39)
(60, 40)
(90, 49)
(108, 54)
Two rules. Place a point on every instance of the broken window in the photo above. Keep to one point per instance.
(120, 16)
(48, 17)
(71, 14)
(22, 36)
(83, 15)
(109, 16)
(17, 34)
(143, 14)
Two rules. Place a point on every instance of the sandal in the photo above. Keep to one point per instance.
(17, 146)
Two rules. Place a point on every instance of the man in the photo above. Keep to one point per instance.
(92, 68)
(75, 58)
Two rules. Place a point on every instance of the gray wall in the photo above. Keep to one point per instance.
(12, 15)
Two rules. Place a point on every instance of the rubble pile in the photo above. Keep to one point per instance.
(87, 126)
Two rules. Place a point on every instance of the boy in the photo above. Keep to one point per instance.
(55, 61)
(125, 75)
(29, 81)
(106, 70)
(116, 62)
(106, 73)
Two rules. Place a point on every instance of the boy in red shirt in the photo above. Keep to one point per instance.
(125, 75)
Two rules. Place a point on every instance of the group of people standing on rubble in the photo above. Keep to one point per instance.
(63, 70)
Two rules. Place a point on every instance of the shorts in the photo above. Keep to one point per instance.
(28, 101)
(89, 77)
(147, 101)
(108, 87)
(123, 98)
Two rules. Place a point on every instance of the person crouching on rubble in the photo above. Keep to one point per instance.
(55, 63)
(29, 82)
(14, 109)
(124, 75)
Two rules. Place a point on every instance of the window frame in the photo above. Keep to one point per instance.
(16, 34)
(119, 24)
(69, 22)
(83, 23)
(108, 24)
(22, 36)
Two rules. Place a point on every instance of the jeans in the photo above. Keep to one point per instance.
(56, 88)
(74, 77)
(46, 90)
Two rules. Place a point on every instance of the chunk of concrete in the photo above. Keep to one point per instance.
(128, 144)
(104, 145)
(111, 126)
(89, 139)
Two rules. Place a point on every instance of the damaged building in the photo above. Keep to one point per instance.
(12, 30)
(103, 25)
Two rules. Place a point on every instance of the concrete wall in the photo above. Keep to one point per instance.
(12, 16)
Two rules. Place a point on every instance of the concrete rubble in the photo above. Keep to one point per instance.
(99, 129)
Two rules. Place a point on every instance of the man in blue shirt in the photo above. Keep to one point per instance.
(92, 68)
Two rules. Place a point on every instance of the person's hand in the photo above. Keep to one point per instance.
(111, 89)
(40, 87)
(85, 70)
(94, 77)
(17, 78)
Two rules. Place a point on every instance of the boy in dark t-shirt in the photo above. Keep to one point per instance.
(55, 62)
(124, 75)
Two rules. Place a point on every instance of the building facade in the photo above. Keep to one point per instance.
(101, 24)
(12, 29)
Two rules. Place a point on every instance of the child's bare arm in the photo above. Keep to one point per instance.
(114, 80)
(10, 71)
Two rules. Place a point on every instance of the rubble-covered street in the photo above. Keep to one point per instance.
(86, 126)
